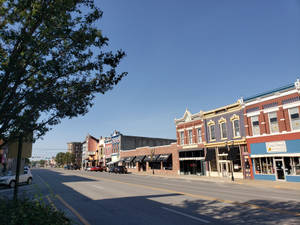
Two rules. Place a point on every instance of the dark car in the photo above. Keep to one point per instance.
(120, 169)
(112, 169)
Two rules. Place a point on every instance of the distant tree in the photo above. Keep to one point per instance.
(69, 158)
(52, 64)
(60, 159)
(42, 162)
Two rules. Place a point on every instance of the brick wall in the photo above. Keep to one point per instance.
(167, 149)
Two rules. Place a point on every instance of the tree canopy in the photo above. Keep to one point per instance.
(52, 63)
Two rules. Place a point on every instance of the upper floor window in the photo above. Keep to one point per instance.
(182, 138)
(199, 135)
(223, 128)
(212, 132)
(294, 117)
(236, 128)
(255, 125)
(274, 128)
(190, 136)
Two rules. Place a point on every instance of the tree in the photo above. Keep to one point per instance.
(60, 158)
(52, 64)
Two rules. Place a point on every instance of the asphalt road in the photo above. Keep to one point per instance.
(128, 199)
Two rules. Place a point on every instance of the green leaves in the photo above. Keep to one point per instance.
(51, 63)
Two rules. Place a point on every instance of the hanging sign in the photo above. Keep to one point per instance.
(276, 146)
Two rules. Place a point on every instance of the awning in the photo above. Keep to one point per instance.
(163, 158)
(210, 155)
(139, 158)
(148, 158)
(128, 159)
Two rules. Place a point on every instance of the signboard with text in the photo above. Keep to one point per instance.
(276, 146)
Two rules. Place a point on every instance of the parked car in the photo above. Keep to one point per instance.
(10, 180)
(120, 169)
(112, 169)
(97, 168)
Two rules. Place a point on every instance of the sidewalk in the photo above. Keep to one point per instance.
(255, 183)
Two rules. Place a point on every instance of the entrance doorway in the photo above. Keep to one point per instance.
(279, 169)
(224, 168)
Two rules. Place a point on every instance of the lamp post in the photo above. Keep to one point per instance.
(152, 154)
(230, 154)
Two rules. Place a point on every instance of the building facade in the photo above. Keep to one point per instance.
(225, 141)
(159, 160)
(272, 124)
(76, 149)
(190, 143)
(89, 152)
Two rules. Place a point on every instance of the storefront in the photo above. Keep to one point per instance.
(278, 160)
(224, 162)
(192, 162)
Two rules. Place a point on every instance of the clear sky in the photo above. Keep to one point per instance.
(195, 54)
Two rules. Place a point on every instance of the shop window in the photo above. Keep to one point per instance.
(182, 138)
(294, 165)
(255, 125)
(155, 165)
(264, 165)
(190, 132)
(294, 117)
(168, 165)
(273, 122)
(199, 135)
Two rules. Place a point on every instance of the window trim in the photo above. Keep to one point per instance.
(251, 118)
(199, 139)
(221, 122)
(210, 124)
(181, 137)
(233, 119)
(269, 118)
(290, 118)
(190, 138)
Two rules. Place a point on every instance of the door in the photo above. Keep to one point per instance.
(224, 169)
(279, 169)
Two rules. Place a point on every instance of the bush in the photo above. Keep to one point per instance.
(26, 212)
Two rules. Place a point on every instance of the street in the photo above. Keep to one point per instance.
(103, 198)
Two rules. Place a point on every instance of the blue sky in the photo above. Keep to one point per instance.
(191, 54)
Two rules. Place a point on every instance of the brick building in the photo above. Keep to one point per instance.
(119, 142)
(190, 143)
(272, 125)
(76, 149)
(89, 152)
(162, 160)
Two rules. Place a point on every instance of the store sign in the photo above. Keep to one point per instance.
(276, 146)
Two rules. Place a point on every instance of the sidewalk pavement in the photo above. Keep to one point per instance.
(255, 183)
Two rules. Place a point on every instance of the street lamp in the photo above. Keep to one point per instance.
(230, 154)
(152, 154)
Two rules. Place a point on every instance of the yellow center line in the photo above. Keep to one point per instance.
(204, 197)
(81, 218)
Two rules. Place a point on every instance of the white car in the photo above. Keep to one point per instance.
(10, 180)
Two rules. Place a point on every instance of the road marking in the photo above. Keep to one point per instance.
(186, 215)
(84, 221)
(196, 196)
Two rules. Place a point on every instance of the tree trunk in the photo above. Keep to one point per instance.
(19, 157)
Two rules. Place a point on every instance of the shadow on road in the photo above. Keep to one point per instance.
(165, 209)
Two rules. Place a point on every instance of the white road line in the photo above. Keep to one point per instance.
(186, 215)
